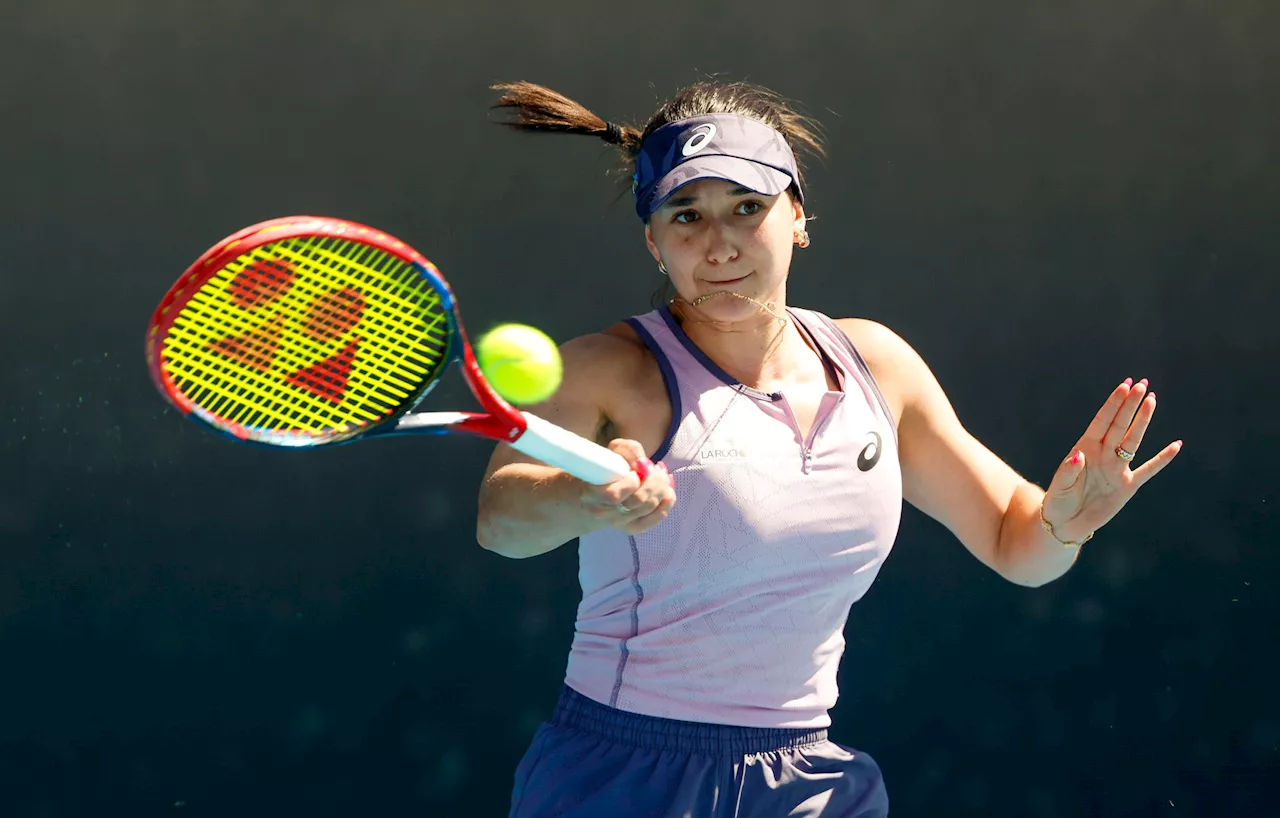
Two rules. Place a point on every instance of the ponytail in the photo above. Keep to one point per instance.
(537, 108)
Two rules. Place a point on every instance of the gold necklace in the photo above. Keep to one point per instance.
(769, 308)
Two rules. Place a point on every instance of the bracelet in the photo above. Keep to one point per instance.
(1048, 527)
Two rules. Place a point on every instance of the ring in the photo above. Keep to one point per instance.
(623, 509)
(1124, 454)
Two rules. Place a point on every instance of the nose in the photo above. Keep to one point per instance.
(720, 246)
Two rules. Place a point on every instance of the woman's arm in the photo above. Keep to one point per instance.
(951, 476)
(527, 508)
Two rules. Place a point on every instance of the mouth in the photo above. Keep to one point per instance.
(727, 281)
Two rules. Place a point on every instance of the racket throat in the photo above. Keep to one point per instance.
(472, 422)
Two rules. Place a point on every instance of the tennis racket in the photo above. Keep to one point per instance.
(307, 331)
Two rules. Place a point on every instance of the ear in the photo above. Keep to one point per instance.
(798, 218)
(648, 242)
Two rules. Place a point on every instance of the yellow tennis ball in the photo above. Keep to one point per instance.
(521, 363)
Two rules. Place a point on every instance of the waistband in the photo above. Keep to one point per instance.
(578, 712)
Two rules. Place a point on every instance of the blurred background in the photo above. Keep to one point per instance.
(1043, 198)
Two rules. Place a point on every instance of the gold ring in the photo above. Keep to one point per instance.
(1123, 454)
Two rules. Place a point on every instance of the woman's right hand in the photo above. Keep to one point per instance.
(628, 504)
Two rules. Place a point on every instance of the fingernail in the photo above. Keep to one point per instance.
(1076, 458)
(1153, 396)
(643, 466)
(1128, 381)
(1143, 382)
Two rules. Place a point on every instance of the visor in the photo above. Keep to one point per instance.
(734, 148)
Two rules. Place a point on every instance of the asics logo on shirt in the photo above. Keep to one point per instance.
(870, 454)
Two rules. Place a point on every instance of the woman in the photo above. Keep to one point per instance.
(707, 641)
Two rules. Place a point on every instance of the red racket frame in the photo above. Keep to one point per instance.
(500, 421)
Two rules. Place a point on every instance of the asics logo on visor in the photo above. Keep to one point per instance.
(702, 136)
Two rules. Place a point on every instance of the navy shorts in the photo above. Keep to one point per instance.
(593, 761)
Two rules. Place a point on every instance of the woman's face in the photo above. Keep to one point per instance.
(714, 236)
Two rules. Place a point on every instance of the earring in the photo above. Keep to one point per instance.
(662, 267)
(802, 238)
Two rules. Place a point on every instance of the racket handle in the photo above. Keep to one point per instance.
(587, 461)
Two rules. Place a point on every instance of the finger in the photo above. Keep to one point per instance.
(636, 505)
(659, 488)
(1102, 420)
(1156, 464)
(633, 453)
(1133, 438)
(627, 498)
(1068, 473)
(1124, 415)
(644, 501)
(630, 450)
(612, 494)
(629, 520)
(612, 514)
(659, 478)
(657, 515)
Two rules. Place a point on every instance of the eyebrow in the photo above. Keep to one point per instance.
(685, 201)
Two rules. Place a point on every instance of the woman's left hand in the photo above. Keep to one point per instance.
(1093, 484)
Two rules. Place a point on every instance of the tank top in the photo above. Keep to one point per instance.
(732, 610)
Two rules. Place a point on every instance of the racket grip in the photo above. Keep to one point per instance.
(585, 460)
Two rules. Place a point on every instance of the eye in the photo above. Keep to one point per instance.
(685, 217)
(750, 207)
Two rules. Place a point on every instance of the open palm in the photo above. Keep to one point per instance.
(1092, 485)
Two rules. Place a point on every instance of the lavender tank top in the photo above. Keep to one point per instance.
(732, 610)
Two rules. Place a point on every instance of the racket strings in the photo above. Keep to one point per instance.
(316, 334)
(328, 379)
(257, 341)
(326, 320)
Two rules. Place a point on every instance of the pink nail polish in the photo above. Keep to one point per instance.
(643, 467)
(1128, 381)
(1143, 381)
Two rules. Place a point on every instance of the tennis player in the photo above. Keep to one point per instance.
(709, 633)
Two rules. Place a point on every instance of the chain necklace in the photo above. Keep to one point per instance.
(770, 308)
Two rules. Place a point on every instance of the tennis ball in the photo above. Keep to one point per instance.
(521, 363)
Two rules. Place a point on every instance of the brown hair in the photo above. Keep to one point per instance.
(538, 108)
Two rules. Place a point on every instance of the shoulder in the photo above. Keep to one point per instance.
(608, 353)
(872, 338)
(612, 378)
(895, 365)
(612, 362)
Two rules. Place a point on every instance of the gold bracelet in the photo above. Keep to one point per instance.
(1048, 527)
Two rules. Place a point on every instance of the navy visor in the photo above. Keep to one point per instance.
(734, 148)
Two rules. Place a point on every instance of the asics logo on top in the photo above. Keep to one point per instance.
(870, 454)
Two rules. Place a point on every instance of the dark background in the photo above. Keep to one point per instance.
(1043, 198)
